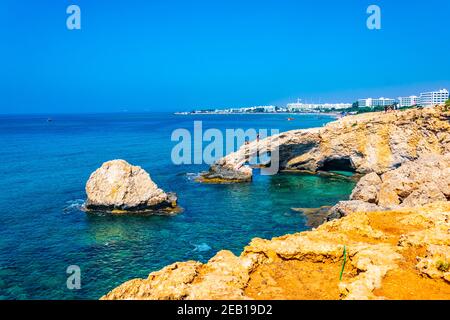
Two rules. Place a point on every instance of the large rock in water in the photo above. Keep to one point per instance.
(119, 186)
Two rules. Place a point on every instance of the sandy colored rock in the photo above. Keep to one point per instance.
(118, 186)
(425, 193)
(414, 183)
(226, 172)
(367, 188)
(419, 182)
(223, 277)
(170, 283)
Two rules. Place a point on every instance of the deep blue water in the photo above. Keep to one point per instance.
(44, 167)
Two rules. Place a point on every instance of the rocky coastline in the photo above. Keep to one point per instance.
(394, 229)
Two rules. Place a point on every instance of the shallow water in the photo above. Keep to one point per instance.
(45, 165)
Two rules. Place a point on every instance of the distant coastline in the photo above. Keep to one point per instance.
(426, 99)
(333, 114)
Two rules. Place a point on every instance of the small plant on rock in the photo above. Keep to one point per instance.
(443, 266)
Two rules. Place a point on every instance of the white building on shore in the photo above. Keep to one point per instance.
(408, 101)
(431, 99)
(311, 107)
(375, 102)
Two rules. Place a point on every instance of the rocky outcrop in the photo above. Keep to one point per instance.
(419, 182)
(401, 254)
(170, 283)
(392, 238)
(119, 187)
(367, 188)
(227, 172)
(414, 183)
(371, 142)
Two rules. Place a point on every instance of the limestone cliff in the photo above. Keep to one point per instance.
(371, 142)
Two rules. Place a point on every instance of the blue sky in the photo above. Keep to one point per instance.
(179, 55)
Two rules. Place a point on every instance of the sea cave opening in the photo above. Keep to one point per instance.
(337, 164)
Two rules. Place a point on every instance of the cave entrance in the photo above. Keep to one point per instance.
(339, 164)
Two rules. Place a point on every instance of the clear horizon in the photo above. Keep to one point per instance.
(167, 56)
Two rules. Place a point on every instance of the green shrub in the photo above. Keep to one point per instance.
(443, 266)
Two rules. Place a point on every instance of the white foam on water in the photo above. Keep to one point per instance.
(201, 247)
(74, 205)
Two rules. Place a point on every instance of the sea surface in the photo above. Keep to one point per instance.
(44, 167)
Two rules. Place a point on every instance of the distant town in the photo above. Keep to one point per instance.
(424, 99)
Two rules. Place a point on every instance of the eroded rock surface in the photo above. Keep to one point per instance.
(367, 188)
(118, 186)
(414, 183)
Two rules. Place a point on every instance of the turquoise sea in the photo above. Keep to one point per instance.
(44, 167)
